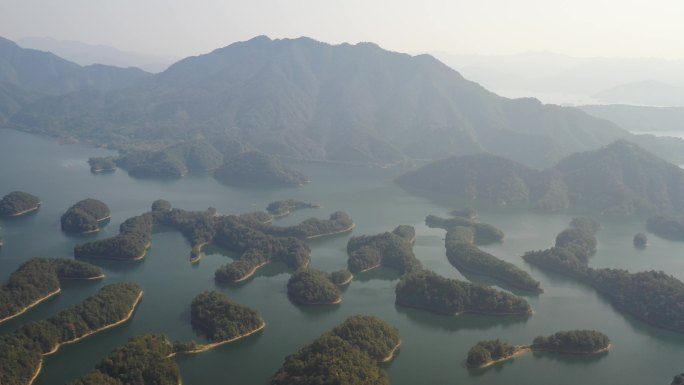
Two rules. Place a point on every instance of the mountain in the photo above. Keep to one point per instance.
(86, 54)
(621, 178)
(304, 99)
(28, 75)
(641, 118)
(646, 93)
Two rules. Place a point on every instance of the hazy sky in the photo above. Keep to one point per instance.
(578, 27)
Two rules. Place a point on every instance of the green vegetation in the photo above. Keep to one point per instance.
(483, 234)
(640, 240)
(85, 216)
(485, 352)
(632, 293)
(312, 287)
(256, 168)
(102, 164)
(464, 255)
(667, 227)
(144, 360)
(258, 217)
(221, 319)
(282, 208)
(428, 291)
(573, 341)
(135, 236)
(393, 250)
(347, 355)
(619, 178)
(341, 277)
(176, 160)
(161, 205)
(37, 279)
(678, 379)
(339, 221)
(17, 203)
(22, 350)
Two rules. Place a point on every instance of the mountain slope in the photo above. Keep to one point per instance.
(620, 177)
(27, 75)
(309, 100)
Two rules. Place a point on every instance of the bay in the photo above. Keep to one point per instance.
(433, 347)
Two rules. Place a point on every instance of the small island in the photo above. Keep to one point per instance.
(39, 279)
(483, 234)
(18, 203)
(85, 216)
(488, 353)
(312, 287)
(393, 250)
(252, 168)
(145, 359)
(339, 222)
(111, 306)
(640, 240)
(468, 258)
(221, 320)
(667, 227)
(283, 208)
(426, 290)
(102, 164)
(678, 379)
(348, 354)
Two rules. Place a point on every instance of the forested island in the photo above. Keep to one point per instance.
(85, 216)
(667, 227)
(632, 293)
(39, 279)
(22, 351)
(312, 287)
(640, 240)
(487, 353)
(426, 290)
(338, 222)
(618, 178)
(283, 208)
(393, 250)
(347, 355)
(465, 256)
(132, 242)
(18, 203)
(483, 234)
(257, 169)
(102, 164)
(222, 320)
(143, 360)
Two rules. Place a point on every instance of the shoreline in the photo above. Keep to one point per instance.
(371, 268)
(205, 347)
(524, 349)
(32, 304)
(335, 302)
(505, 281)
(347, 281)
(348, 229)
(252, 272)
(390, 356)
(476, 312)
(199, 247)
(90, 333)
(84, 279)
(26, 211)
(149, 244)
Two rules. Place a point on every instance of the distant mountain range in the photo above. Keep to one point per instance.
(618, 178)
(662, 120)
(645, 93)
(28, 75)
(302, 99)
(86, 54)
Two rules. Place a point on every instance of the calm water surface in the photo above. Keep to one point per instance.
(434, 347)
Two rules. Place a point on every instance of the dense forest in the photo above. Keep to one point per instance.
(464, 255)
(144, 360)
(618, 178)
(483, 233)
(17, 203)
(39, 278)
(573, 341)
(283, 208)
(85, 216)
(347, 355)
(102, 164)
(220, 319)
(312, 287)
(667, 227)
(22, 350)
(339, 221)
(654, 297)
(257, 169)
(393, 250)
(428, 291)
(135, 236)
(485, 352)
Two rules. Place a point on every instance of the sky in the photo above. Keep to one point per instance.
(585, 28)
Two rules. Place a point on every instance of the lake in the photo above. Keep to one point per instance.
(433, 347)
